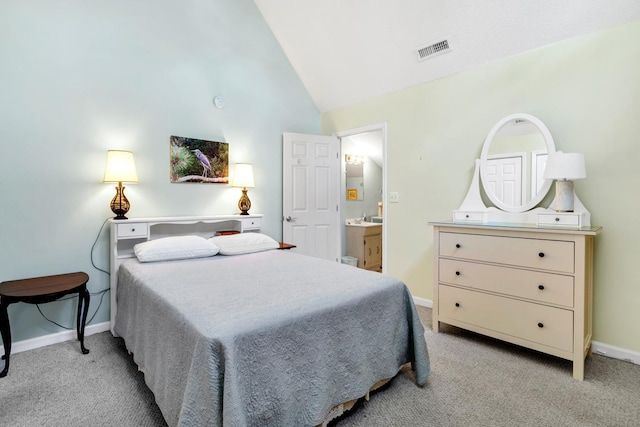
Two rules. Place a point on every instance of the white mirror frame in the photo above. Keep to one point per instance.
(474, 211)
(551, 148)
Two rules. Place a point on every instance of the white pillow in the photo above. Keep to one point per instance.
(244, 243)
(177, 247)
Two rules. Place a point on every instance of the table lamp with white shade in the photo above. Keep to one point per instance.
(564, 168)
(120, 168)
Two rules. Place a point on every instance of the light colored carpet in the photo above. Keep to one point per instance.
(475, 381)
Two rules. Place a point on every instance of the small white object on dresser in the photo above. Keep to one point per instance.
(527, 285)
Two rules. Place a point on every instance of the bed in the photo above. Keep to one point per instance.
(268, 338)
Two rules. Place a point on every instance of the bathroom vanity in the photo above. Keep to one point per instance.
(364, 241)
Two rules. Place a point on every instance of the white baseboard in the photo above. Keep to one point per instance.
(58, 337)
(615, 352)
(423, 302)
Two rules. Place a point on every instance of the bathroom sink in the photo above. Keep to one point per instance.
(359, 223)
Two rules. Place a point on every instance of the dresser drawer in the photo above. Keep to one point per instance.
(552, 255)
(251, 223)
(132, 230)
(468, 216)
(559, 219)
(541, 324)
(534, 285)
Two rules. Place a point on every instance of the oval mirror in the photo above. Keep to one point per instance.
(512, 162)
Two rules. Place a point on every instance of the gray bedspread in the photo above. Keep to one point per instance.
(266, 339)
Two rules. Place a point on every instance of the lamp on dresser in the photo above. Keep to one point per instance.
(564, 168)
(120, 168)
(243, 177)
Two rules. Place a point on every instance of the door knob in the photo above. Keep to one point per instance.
(289, 219)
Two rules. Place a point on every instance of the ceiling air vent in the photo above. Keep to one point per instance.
(434, 49)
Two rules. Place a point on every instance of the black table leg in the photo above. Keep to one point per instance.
(6, 337)
(83, 308)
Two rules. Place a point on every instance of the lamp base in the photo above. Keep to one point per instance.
(564, 195)
(244, 204)
(119, 204)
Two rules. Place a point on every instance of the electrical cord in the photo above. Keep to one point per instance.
(93, 247)
(101, 292)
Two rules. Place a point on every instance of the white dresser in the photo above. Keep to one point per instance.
(527, 285)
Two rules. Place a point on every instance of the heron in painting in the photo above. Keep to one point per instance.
(206, 165)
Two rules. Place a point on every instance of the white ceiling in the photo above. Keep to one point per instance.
(347, 51)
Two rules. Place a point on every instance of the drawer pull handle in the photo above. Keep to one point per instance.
(458, 245)
(541, 287)
(457, 304)
(557, 219)
(133, 230)
(457, 273)
(541, 254)
(540, 325)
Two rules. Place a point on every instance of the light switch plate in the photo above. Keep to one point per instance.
(394, 197)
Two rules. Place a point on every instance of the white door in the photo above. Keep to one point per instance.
(538, 163)
(504, 174)
(310, 194)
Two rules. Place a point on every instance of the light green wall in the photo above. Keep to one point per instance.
(79, 78)
(586, 90)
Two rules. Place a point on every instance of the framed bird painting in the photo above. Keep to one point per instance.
(198, 160)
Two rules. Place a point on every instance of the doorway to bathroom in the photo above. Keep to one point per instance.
(363, 181)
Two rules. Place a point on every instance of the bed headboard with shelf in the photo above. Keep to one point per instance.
(125, 234)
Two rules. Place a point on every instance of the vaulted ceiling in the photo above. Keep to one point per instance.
(348, 51)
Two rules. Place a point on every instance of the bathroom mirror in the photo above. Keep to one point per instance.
(354, 166)
(513, 160)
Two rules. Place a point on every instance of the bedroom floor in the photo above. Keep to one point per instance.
(475, 381)
(425, 316)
